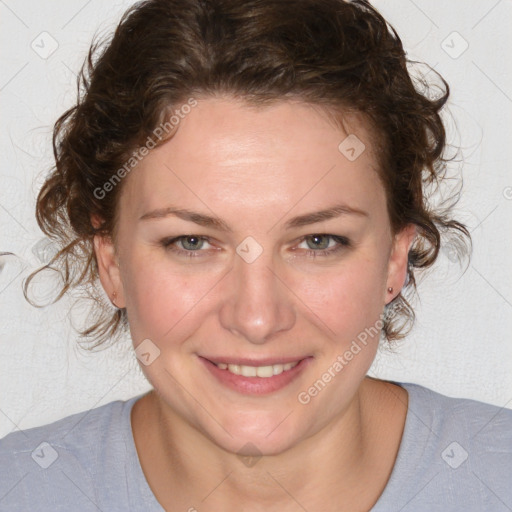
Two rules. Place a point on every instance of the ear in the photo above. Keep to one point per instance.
(398, 260)
(108, 269)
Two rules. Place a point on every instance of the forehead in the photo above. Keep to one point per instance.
(226, 152)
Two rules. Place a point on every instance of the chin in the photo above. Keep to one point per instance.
(270, 437)
(256, 446)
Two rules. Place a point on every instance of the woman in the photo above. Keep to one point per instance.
(249, 183)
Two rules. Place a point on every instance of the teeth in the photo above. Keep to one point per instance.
(277, 369)
(257, 371)
(248, 371)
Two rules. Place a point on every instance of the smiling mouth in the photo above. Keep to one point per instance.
(256, 367)
(257, 371)
(256, 376)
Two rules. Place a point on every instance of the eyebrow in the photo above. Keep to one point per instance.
(329, 213)
(214, 222)
(196, 217)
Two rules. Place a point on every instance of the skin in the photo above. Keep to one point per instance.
(256, 168)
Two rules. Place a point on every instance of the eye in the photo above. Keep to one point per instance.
(322, 244)
(191, 244)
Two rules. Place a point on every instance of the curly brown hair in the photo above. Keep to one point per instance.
(340, 55)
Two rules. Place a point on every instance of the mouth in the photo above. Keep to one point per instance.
(263, 371)
(256, 376)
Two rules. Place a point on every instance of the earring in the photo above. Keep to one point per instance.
(114, 296)
(390, 289)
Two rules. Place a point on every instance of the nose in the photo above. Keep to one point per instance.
(258, 304)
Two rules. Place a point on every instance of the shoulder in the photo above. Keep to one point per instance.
(455, 454)
(81, 434)
(64, 459)
(470, 420)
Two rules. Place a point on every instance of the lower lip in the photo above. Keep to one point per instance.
(256, 385)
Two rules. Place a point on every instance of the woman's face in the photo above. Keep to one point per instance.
(248, 282)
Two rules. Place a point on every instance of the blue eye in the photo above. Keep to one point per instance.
(191, 244)
(319, 244)
(318, 241)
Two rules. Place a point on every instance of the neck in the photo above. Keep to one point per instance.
(343, 460)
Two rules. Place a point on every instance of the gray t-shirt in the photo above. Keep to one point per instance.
(455, 455)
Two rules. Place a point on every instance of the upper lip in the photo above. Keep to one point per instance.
(244, 361)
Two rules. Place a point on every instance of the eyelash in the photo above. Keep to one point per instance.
(342, 243)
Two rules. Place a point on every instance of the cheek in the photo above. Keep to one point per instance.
(165, 304)
(159, 302)
(346, 300)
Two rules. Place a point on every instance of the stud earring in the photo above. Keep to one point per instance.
(390, 289)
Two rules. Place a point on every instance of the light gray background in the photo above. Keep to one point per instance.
(462, 342)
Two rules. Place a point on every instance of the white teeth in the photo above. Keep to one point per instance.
(235, 368)
(265, 371)
(257, 371)
(248, 371)
(277, 369)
